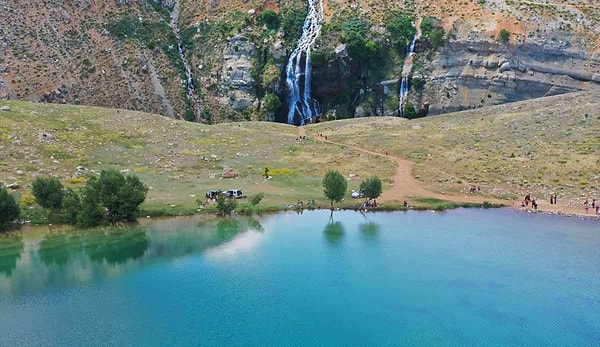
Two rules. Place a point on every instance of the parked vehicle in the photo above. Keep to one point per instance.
(234, 193)
(358, 194)
(213, 193)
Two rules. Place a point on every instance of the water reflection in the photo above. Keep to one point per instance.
(369, 229)
(334, 232)
(58, 247)
(116, 246)
(11, 247)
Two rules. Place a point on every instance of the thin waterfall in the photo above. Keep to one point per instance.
(301, 107)
(405, 81)
(188, 71)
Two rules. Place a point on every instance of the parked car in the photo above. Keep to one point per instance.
(358, 194)
(234, 193)
(213, 193)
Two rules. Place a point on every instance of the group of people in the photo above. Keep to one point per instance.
(595, 206)
(474, 189)
(370, 204)
(528, 200)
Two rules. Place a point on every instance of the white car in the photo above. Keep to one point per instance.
(357, 194)
(234, 193)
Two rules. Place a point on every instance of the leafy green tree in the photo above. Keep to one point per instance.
(400, 26)
(256, 199)
(91, 213)
(269, 18)
(225, 205)
(334, 186)
(120, 195)
(371, 187)
(504, 36)
(9, 209)
(271, 102)
(48, 192)
(71, 206)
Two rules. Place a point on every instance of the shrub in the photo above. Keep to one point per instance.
(71, 206)
(48, 192)
(256, 199)
(9, 209)
(269, 18)
(27, 200)
(225, 205)
(271, 102)
(371, 187)
(503, 36)
(120, 195)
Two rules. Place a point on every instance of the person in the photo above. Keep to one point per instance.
(597, 210)
(593, 204)
(551, 199)
(586, 205)
(534, 203)
(405, 203)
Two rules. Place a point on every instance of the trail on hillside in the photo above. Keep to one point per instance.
(406, 187)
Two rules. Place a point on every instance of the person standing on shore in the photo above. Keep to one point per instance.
(586, 205)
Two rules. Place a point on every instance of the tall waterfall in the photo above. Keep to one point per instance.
(188, 71)
(405, 81)
(301, 107)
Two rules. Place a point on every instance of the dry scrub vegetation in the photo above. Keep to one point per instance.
(544, 146)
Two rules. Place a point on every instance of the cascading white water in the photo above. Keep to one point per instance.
(188, 71)
(299, 100)
(404, 82)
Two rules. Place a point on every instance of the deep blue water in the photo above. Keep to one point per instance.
(466, 277)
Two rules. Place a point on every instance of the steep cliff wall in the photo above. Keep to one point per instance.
(125, 54)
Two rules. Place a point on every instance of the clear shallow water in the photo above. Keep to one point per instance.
(459, 278)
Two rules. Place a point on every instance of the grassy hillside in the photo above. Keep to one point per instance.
(544, 146)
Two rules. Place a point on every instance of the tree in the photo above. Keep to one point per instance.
(48, 192)
(92, 212)
(225, 205)
(269, 18)
(71, 205)
(120, 195)
(504, 36)
(9, 209)
(371, 187)
(334, 186)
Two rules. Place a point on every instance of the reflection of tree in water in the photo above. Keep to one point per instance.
(116, 246)
(227, 228)
(369, 229)
(255, 225)
(334, 232)
(59, 247)
(11, 247)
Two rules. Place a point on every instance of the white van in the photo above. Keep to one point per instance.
(234, 193)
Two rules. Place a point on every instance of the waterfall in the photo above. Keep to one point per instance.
(301, 107)
(405, 81)
(188, 71)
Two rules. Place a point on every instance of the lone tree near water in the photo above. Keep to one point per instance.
(9, 210)
(371, 187)
(334, 186)
(48, 192)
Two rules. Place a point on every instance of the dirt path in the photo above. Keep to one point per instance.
(406, 187)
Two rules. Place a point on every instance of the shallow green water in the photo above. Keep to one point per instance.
(459, 278)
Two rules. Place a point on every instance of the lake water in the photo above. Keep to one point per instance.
(466, 277)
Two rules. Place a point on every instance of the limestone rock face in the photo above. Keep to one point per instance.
(237, 81)
(473, 74)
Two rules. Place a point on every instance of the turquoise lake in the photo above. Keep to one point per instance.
(465, 277)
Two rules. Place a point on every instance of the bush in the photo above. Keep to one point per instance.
(120, 195)
(269, 18)
(48, 192)
(371, 187)
(503, 36)
(256, 199)
(271, 102)
(225, 205)
(9, 209)
(71, 205)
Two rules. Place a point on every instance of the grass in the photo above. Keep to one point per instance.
(535, 146)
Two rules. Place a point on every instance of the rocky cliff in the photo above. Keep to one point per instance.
(140, 54)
